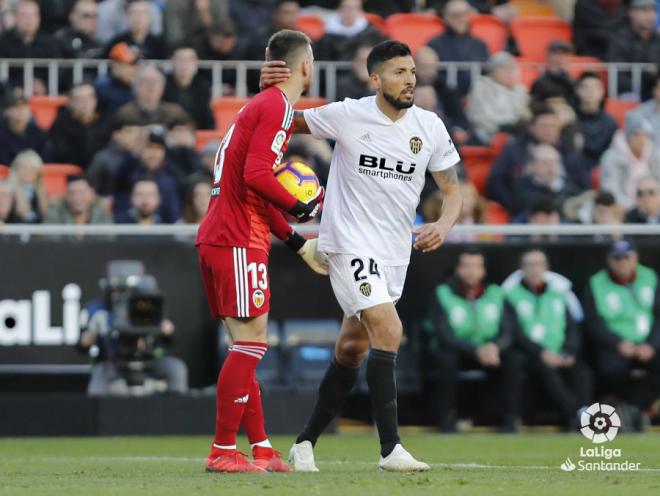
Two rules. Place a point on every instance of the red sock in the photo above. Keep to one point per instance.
(253, 416)
(234, 388)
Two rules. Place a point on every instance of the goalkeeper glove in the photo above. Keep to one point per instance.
(306, 211)
(307, 249)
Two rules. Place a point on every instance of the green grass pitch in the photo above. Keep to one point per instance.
(472, 464)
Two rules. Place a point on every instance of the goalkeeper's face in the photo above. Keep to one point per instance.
(396, 80)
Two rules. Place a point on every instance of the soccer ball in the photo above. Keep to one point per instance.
(298, 179)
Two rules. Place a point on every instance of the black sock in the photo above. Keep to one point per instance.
(382, 387)
(333, 391)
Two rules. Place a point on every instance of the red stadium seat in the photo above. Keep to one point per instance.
(496, 214)
(225, 109)
(4, 171)
(45, 108)
(306, 102)
(203, 136)
(376, 21)
(490, 30)
(477, 161)
(54, 177)
(498, 142)
(534, 34)
(595, 178)
(414, 29)
(312, 26)
(619, 108)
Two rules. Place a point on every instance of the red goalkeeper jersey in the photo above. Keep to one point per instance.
(246, 198)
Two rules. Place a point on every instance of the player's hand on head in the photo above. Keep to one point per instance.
(273, 72)
(306, 211)
(429, 237)
(317, 260)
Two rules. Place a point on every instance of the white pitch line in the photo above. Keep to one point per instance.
(477, 466)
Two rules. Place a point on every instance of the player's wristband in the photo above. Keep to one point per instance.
(295, 241)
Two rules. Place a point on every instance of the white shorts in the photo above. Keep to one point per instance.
(360, 283)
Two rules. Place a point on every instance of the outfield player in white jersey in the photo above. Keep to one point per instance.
(384, 146)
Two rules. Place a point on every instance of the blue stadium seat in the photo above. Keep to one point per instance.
(309, 345)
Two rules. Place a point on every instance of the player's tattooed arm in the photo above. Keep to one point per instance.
(431, 236)
(299, 124)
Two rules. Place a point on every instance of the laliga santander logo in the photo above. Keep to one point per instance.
(600, 423)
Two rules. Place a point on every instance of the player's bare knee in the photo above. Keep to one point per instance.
(351, 353)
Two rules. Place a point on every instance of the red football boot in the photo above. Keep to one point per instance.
(269, 459)
(232, 462)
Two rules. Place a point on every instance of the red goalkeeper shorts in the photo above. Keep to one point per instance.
(235, 280)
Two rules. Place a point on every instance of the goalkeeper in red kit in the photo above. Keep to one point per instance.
(233, 242)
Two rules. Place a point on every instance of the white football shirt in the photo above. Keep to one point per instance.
(376, 176)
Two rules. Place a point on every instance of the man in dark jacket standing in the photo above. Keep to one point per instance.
(474, 328)
(456, 44)
(638, 42)
(594, 23)
(187, 87)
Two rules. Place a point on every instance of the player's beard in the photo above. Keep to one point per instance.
(397, 103)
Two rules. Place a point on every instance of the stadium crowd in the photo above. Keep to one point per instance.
(538, 147)
(542, 142)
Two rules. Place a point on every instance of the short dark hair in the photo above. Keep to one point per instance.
(384, 51)
(532, 249)
(587, 75)
(72, 178)
(147, 178)
(287, 44)
(182, 45)
(539, 109)
(605, 198)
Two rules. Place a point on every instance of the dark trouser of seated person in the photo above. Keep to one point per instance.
(550, 340)
(474, 327)
(622, 315)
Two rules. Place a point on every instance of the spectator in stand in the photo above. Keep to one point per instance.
(456, 44)
(182, 155)
(473, 328)
(594, 207)
(113, 19)
(79, 131)
(25, 180)
(385, 8)
(188, 88)
(497, 101)
(125, 140)
(207, 161)
(18, 131)
(196, 202)
(450, 108)
(252, 15)
(556, 71)
(7, 211)
(544, 127)
(357, 83)
(79, 205)
(631, 156)
(184, 20)
(650, 111)
(596, 126)
(594, 23)
(647, 204)
(145, 204)
(150, 46)
(148, 107)
(54, 14)
(549, 338)
(543, 178)
(552, 95)
(345, 31)
(473, 211)
(638, 41)
(544, 212)
(116, 88)
(78, 39)
(426, 98)
(622, 316)
(26, 41)
(219, 42)
(150, 162)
